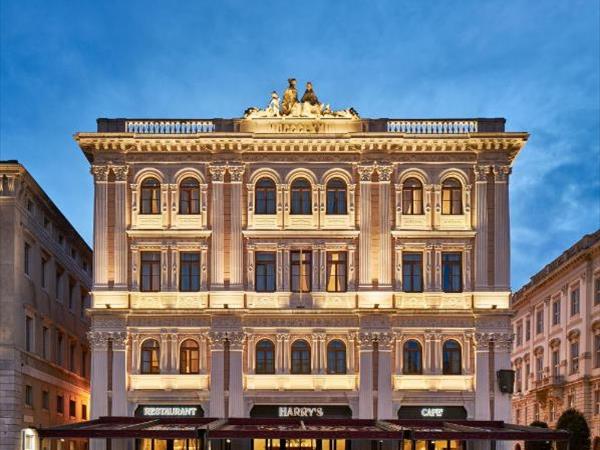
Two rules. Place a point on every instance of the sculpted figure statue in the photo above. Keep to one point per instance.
(273, 108)
(290, 98)
(309, 95)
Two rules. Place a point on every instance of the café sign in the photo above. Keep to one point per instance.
(432, 412)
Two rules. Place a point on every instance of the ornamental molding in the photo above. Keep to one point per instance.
(365, 173)
(501, 173)
(120, 172)
(217, 173)
(98, 340)
(236, 173)
(481, 173)
(301, 322)
(100, 173)
(169, 320)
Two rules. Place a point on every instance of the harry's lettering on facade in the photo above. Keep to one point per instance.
(297, 411)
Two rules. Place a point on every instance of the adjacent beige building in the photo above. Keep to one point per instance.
(301, 261)
(556, 354)
(45, 279)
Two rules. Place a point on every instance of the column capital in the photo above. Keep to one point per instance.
(236, 173)
(384, 341)
(119, 340)
(120, 172)
(236, 340)
(100, 173)
(481, 171)
(98, 340)
(365, 172)
(501, 173)
(217, 173)
(217, 340)
(365, 341)
(385, 173)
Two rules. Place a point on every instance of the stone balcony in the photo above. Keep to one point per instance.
(168, 382)
(292, 382)
(433, 382)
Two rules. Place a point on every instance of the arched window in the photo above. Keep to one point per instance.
(300, 357)
(265, 192)
(150, 356)
(336, 196)
(265, 357)
(189, 357)
(150, 196)
(336, 357)
(412, 197)
(452, 358)
(301, 193)
(189, 196)
(452, 197)
(413, 360)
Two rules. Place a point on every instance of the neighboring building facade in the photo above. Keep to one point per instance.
(45, 280)
(556, 355)
(308, 263)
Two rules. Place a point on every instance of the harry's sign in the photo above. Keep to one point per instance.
(300, 411)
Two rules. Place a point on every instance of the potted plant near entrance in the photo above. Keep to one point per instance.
(574, 422)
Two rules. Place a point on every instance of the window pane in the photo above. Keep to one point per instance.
(412, 267)
(452, 272)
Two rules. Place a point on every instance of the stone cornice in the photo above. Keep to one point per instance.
(348, 143)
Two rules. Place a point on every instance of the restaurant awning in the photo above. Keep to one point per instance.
(251, 428)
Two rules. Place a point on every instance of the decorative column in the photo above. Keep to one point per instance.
(385, 238)
(98, 341)
(250, 248)
(428, 366)
(429, 268)
(165, 281)
(174, 355)
(217, 240)
(351, 353)
(481, 227)
(467, 350)
(365, 173)
(119, 373)
(120, 228)
(217, 374)
(164, 351)
(280, 262)
(502, 350)
(501, 229)
(482, 376)
(322, 353)
(437, 258)
(135, 353)
(314, 354)
(398, 341)
(351, 267)
(384, 376)
(236, 253)
(236, 370)
(365, 391)
(135, 258)
(100, 226)
(279, 353)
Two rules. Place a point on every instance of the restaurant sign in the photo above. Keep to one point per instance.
(169, 411)
(302, 411)
(432, 412)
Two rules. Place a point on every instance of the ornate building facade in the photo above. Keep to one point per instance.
(301, 263)
(45, 278)
(556, 355)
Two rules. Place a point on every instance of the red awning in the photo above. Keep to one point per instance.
(352, 429)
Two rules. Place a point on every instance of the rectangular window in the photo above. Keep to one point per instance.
(45, 400)
(58, 283)
(597, 351)
(597, 290)
(597, 402)
(555, 363)
(551, 411)
(59, 348)
(452, 272)
(301, 270)
(83, 412)
(60, 404)
(539, 367)
(518, 416)
(570, 401)
(45, 342)
(539, 321)
(265, 271)
(82, 303)
(27, 259)
(574, 357)
(518, 379)
(527, 375)
(528, 330)
(575, 301)
(150, 273)
(28, 334)
(28, 396)
(337, 271)
(72, 408)
(536, 411)
(71, 294)
(412, 272)
(72, 357)
(44, 271)
(83, 368)
(189, 272)
(519, 334)
(556, 312)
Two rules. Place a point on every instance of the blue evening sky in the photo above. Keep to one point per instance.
(63, 64)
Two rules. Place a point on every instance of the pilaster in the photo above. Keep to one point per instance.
(120, 227)
(384, 376)
(365, 174)
(236, 386)
(119, 373)
(385, 238)
(501, 228)
(481, 227)
(365, 391)
(236, 254)
(100, 225)
(217, 240)
(217, 374)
